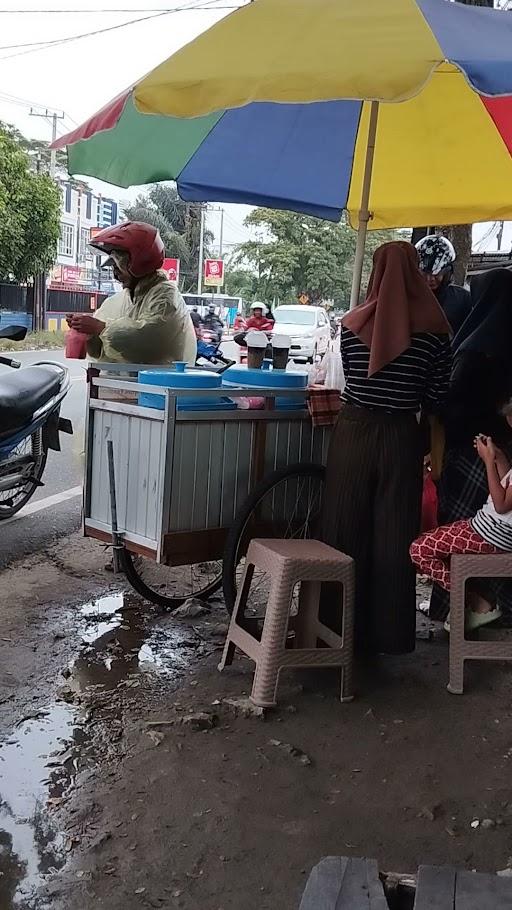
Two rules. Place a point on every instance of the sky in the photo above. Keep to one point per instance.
(78, 77)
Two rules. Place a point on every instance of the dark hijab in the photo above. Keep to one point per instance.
(488, 328)
(482, 371)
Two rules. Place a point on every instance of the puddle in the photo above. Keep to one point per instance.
(120, 640)
(37, 764)
(123, 639)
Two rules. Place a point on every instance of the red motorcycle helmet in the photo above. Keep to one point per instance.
(141, 241)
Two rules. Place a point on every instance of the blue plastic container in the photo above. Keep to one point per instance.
(268, 379)
(181, 378)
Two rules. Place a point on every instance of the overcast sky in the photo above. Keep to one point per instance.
(80, 76)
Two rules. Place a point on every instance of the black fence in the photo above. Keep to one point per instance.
(17, 303)
(58, 301)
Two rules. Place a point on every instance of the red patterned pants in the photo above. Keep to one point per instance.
(431, 552)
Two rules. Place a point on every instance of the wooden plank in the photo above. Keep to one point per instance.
(324, 884)
(131, 545)
(436, 888)
(344, 883)
(475, 891)
(182, 548)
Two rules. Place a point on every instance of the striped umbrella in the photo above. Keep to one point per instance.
(397, 111)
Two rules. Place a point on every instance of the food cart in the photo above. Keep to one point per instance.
(181, 477)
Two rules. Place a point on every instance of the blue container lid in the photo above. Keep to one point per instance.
(264, 379)
(172, 379)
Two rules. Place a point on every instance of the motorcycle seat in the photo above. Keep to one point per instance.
(23, 392)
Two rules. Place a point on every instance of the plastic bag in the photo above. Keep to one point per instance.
(334, 378)
(76, 345)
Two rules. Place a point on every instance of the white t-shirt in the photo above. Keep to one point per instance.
(493, 527)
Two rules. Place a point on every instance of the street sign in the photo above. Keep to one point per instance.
(214, 272)
(172, 267)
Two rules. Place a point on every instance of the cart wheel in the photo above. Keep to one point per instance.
(286, 504)
(170, 586)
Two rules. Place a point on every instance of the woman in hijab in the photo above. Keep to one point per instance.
(481, 383)
(396, 358)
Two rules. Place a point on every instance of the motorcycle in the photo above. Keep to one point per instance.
(30, 424)
(208, 348)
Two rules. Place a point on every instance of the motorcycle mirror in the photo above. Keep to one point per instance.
(13, 332)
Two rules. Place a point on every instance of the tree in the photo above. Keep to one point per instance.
(29, 213)
(179, 224)
(299, 254)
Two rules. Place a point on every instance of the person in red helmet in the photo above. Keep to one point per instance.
(148, 321)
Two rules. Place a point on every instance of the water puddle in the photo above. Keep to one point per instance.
(120, 642)
(37, 766)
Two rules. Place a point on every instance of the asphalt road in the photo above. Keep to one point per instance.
(54, 510)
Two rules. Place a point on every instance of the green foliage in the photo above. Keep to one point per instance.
(36, 341)
(296, 254)
(29, 213)
(179, 224)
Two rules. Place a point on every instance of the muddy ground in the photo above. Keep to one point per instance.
(111, 796)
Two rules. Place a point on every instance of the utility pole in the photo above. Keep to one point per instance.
(39, 315)
(53, 116)
(221, 235)
(201, 253)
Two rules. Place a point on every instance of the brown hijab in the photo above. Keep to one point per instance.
(398, 303)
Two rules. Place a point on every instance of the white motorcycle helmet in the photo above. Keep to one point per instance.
(258, 305)
(436, 254)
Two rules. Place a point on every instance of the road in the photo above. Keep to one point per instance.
(54, 510)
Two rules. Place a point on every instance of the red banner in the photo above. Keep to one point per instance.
(172, 267)
(214, 272)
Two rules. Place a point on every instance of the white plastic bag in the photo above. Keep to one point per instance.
(334, 378)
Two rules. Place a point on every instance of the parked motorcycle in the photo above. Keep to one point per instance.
(30, 424)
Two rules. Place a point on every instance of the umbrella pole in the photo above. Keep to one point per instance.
(364, 214)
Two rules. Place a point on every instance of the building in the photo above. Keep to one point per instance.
(81, 210)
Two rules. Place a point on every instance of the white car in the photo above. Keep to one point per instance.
(308, 328)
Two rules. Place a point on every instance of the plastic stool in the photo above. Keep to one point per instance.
(462, 568)
(288, 562)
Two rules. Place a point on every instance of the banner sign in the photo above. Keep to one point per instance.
(172, 267)
(214, 272)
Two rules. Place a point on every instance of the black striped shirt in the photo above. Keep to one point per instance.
(418, 378)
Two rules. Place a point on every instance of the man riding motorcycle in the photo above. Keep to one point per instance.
(213, 324)
(258, 320)
(146, 322)
(436, 258)
(197, 320)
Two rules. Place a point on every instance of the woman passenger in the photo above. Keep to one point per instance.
(396, 358)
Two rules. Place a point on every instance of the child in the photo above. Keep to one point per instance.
(489, 531)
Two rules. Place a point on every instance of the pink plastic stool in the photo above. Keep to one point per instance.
(288, 562)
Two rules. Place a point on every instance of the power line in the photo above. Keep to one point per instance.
(26, 103)
(89, 12)
(98, 31)
(33, 47)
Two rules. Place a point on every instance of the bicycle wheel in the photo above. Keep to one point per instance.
(286, 504)
(171, 586)
(28, 459)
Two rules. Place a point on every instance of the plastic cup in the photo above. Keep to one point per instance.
(280, 351)
(255, 358)
(256, 343)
